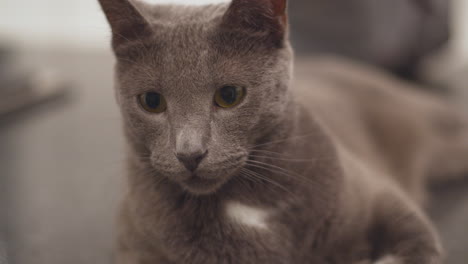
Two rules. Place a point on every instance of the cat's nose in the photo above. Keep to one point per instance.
(191, 160)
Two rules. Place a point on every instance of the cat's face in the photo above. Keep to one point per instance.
(199, 86)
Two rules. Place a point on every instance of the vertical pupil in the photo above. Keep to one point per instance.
(229, 94)
(153, 100)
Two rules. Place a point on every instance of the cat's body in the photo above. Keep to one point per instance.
(406, 135)
(328, 169)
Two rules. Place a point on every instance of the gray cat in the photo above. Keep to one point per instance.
(229, 162)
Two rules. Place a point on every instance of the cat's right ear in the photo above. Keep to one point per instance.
(267, 18)
(126, 21)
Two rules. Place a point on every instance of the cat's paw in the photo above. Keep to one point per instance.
(388, 260)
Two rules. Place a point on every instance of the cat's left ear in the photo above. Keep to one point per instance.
(126, 21)
(260, 17)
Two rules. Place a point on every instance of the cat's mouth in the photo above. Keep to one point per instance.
(202, 186)
(207, 180)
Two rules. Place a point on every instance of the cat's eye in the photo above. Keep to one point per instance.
(229, 96)
(153, 102)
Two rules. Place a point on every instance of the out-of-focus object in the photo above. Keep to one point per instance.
(394, 34)
(20, 88)
(448, 68)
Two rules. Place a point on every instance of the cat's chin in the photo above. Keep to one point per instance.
(202, 186)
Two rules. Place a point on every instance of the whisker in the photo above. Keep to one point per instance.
(249, 178)
(270, 152)
(255, 162)
(247, 175)
(263, 178)
(283, 159)
(282, 171)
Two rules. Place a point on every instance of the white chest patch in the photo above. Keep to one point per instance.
(388, 260)
(247, 215)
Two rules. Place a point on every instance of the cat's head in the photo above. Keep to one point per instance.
(199, 86)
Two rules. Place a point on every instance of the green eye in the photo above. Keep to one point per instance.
(229, 96)
(153, 102)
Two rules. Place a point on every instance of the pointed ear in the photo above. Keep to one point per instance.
(266, 17)
(126, 21)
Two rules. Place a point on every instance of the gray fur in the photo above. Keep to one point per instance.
(313, 154)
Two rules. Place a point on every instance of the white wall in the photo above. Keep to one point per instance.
(460, 21)
(60, 22)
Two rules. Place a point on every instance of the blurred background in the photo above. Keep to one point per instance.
(61, 145)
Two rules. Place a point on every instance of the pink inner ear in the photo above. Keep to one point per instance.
(279, 9)
(262, 16)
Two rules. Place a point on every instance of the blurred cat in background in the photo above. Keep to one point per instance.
(396, 35)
